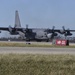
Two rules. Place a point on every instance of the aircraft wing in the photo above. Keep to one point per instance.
(24, 29)
(4, 28)
(8, 29)
(58, 30)
(70, 30)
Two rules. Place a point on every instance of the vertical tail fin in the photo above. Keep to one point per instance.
(17, 20)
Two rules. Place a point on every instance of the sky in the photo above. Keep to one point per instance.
(38, 13)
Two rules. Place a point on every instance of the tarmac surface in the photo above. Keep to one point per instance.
(38, 43)
(36, 50)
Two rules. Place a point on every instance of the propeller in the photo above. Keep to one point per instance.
(25, 30)
(26, 26)
(53, 28)
(10, 29)
(63, 28)
(68, 33)
(65, 32)
(51, 33)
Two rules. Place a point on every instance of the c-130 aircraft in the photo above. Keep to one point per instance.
(37, 34)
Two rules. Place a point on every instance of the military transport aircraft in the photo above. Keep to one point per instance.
(37, 34)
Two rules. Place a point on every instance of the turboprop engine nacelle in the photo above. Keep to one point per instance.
(51, 35)
(68, 34)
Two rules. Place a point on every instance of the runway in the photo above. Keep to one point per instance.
(36, 43)
(36, 50)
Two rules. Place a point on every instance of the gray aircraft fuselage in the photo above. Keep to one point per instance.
(37, 34)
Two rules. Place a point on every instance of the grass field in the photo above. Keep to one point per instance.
(16, 64)
(9, 44)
